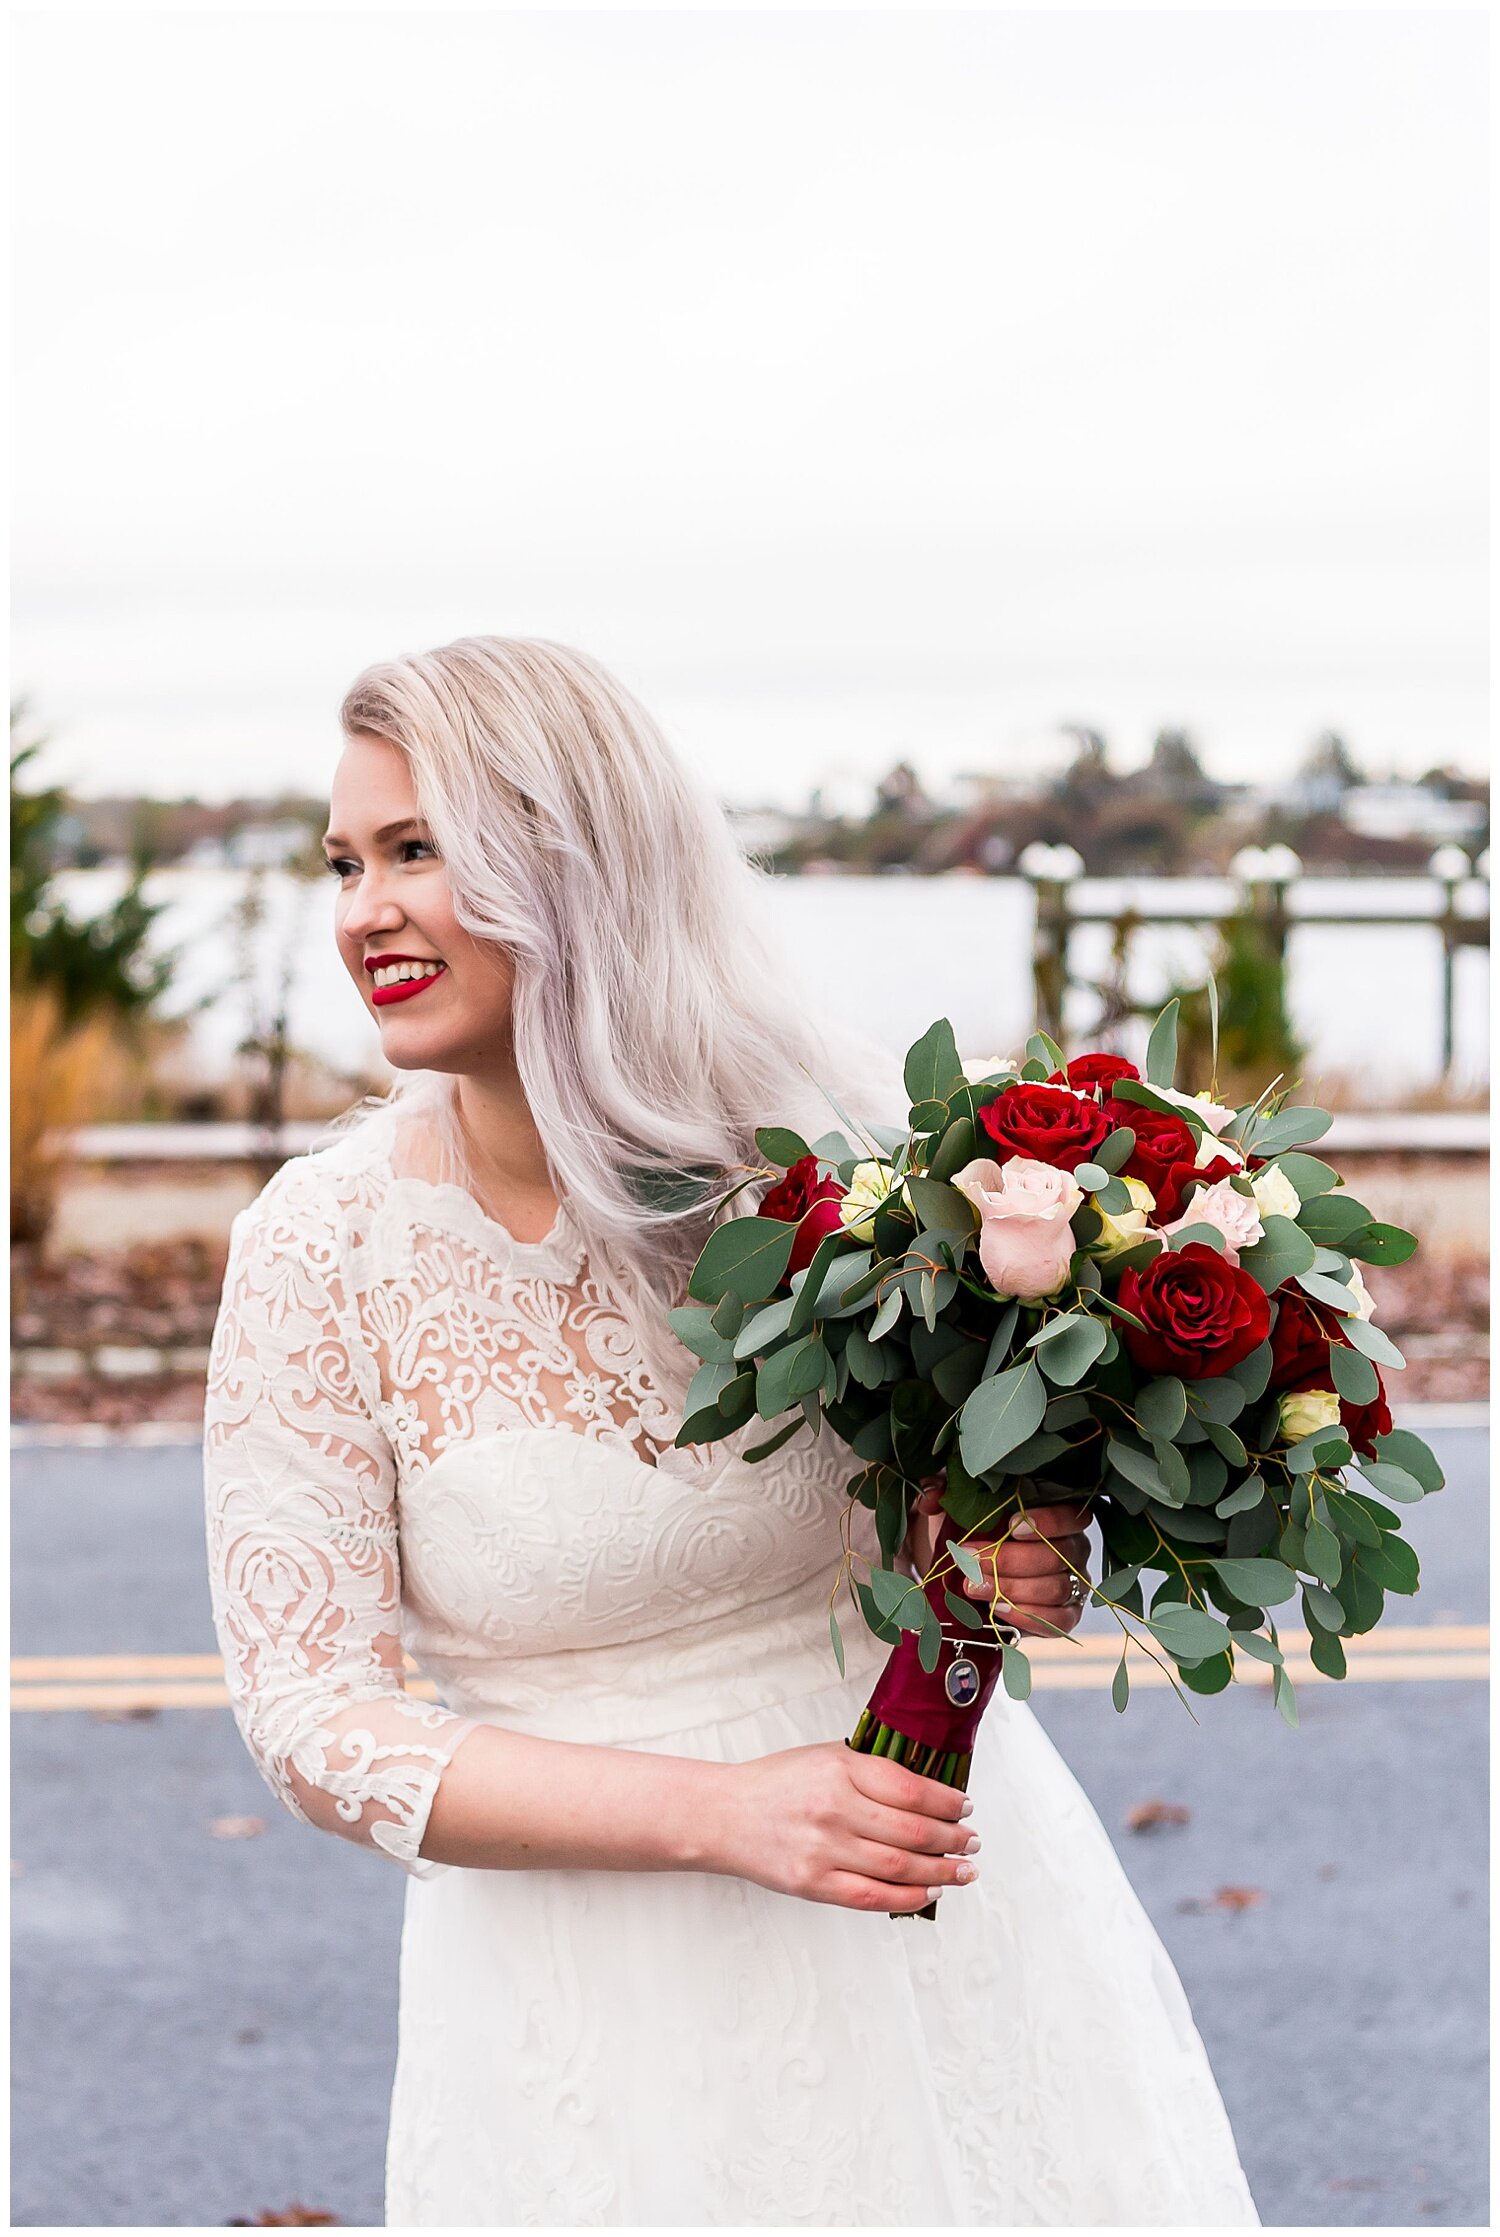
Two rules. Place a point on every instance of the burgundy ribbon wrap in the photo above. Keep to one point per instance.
(914, 1701)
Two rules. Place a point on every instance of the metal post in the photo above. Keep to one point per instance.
(1050, 871)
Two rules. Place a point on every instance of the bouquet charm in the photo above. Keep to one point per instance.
(1070, 1271)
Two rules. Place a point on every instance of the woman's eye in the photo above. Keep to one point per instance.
(340, 865)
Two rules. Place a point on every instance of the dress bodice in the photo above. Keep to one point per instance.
(423, 1435)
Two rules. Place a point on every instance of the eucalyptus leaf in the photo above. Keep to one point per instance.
(1015, 1673)
(1189, 1632)
(1067, 1347)
(1243, 1497)
(933, 1071)
(1253, 1372)
(1137, 1468)
(779, 1145)
(1372, 1341)
(1381, 1245)
(1354, 1376)
(1289, 1129)
(764, 1450)
(1328, 1292)
(956, 1149)
(1161, 1049)
(694, 1328)
(1323, 1556)
(1116, 1149)
(1282, 1251)
(1260, 1584)
(1161, 1406)
(763, 1328)
(1309, 1176)
(746, 1256)
(1390, 1481)
(1409, 1451)
(999, 1415)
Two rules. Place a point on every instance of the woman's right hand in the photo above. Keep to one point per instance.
(835, 1826)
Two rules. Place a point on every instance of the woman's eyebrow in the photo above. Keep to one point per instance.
(387, 831)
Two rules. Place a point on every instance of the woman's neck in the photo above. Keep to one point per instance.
(506, 1154)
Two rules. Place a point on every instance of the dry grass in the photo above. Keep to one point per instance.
(61, 1077)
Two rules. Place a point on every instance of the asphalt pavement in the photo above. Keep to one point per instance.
(203, 2027)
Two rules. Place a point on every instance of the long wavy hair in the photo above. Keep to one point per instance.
(655, 1025)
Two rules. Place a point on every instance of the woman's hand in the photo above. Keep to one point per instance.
(834, 1826)
(1032, 1568)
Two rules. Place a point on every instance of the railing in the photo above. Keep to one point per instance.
(1265, 881)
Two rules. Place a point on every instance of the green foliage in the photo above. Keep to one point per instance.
(90, 964)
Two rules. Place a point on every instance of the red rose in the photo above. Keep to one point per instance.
(1051, 1124)
(1096, 1070)
(1161, 1141)
(1202, 1316)
(1300, 1343)
(812, 1203)
(1171, 1194)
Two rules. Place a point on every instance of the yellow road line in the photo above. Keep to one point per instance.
(1103, 1647)
(124, 1682)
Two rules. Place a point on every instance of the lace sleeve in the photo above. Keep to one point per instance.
(304, 1564)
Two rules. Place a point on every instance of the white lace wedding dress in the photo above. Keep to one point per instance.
(424, 1435)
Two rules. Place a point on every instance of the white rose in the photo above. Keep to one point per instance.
(977, 1068)
(1236, 1217)
(1364, 1307)
(1121, 1231)
(1215, 1116)
(1304, 1411)
(1275, 1194)
(868, 1189)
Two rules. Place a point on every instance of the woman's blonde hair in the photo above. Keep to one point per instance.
(654, 1025)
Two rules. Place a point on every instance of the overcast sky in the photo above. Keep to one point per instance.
(854, 384)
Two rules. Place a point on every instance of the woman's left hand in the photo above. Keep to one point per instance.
(1033, 1567)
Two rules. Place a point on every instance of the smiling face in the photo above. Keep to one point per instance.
(393, 904)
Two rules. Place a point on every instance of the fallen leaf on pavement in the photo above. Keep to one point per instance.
(1224, 1899)
(295, 2217)
(1142, 1816)
(236, 1829)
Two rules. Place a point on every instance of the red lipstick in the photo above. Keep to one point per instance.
(402, 990)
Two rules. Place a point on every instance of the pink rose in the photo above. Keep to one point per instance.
(1025, 1241)
(1236, 1217)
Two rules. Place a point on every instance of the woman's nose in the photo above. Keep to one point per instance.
(373, 908)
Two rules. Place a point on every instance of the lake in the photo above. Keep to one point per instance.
(1366, 999)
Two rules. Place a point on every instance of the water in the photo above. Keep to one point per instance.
(1366, 999)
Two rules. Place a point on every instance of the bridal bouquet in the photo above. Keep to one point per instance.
(1064, 1276)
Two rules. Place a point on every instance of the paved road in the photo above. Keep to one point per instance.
(204, 2029)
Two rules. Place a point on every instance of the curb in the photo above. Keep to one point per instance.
(1435, 1413)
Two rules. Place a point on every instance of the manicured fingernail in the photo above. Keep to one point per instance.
(933, 1893)
(972, 1843)
(1023, 1530)
(967, 1810)
(965, 1872)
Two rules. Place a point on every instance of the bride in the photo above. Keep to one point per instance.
(647, 1970)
